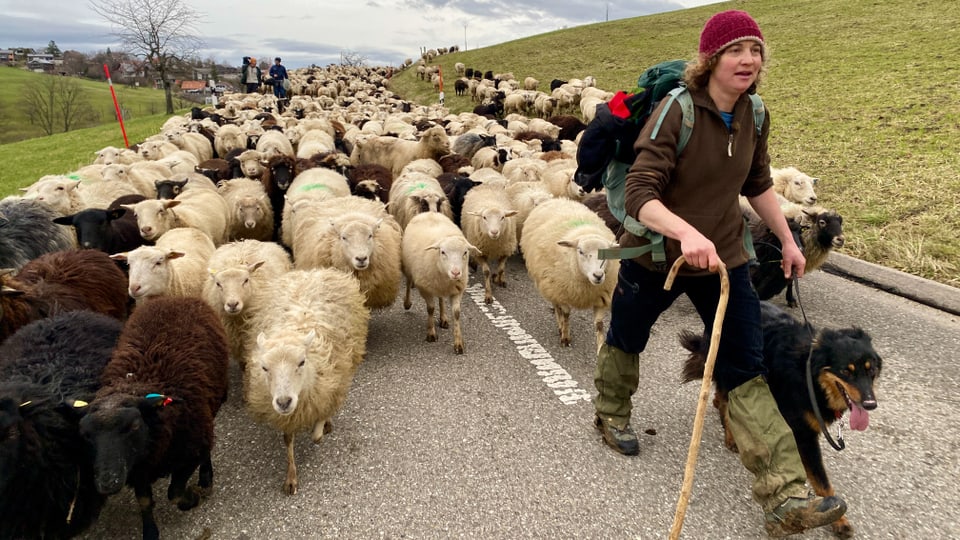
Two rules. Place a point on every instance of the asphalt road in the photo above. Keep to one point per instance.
(489, 445)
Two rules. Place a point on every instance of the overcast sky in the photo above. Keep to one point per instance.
(306, 32)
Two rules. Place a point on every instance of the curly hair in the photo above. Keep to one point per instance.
(697, 73)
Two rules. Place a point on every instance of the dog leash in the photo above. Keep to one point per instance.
(837, 445)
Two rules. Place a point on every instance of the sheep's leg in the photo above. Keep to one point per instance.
(444, 321)
(558, 314)
(291, 483)
(457, 334)
(487, 288)
(205, 480)
(178, 493)
(598, 313)
(406, 297)
(320, 429)
(144, 493)
(501, 279)
(431, 323)
(563, 317)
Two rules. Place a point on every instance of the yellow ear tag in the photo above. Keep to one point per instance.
(80, 403)
(25, 403)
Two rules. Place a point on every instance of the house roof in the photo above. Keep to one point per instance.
(193, 85)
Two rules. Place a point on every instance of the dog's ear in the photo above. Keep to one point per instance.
(856, 333)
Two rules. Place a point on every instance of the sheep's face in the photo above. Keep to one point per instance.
(282, 360)
(233, 287)
(453, 256)
(57, 194)
(107, 156)
(117, 427)
(799, 189)
(92, 226)
(169, 189)
(252, 168)
(149, 271)
(249, 211)
(494, 220)
(114, 173)
(574, 190)
(153, 218)
(356, 240)
(151, 150)
(592, 267)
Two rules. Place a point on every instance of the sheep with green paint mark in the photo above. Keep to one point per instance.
(560, 244)
(311, 185)
(414, 193)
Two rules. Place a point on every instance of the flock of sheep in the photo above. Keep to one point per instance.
(270, 233)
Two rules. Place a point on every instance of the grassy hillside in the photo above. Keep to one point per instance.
(16, 126)
(26, 161)
(862, 94)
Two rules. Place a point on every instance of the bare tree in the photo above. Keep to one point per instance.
(71, 103)
(39, 102)
(352, 59)
(52, 101)
(162, 32)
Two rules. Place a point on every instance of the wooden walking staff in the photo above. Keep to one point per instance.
(704, 391)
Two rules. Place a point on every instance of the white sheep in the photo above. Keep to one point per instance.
(249, 209)
(490, 157)
(524, 196)
(524, 169)
(357, 236)
(393, 153)
(487, 223)
(251, 163)
(310, 340)
(175, 266)
(560, 244)
(199, 208)
(414, 193)
(436, 257)
(272, 143)
(428, 167)
(529, 83)
(311, 185)
(142, 175)
(314, 141)
(557, 176)
(192, 142)
(237, 276)
(229, 137)
(794, 186)
(111, 154)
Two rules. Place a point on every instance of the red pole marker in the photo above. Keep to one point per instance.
(116, 105)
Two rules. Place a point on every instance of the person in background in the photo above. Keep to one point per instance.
(251, 76)
(692, 199)
(278, 73)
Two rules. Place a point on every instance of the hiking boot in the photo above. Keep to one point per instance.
(623, 440)
(797, 515)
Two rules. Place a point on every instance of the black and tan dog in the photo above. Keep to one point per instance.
(844, 365)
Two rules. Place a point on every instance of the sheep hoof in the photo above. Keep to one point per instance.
(407, 304)
(458, 348)
(444, 324)
(189, 499)
(431, 339)
(290, 486)
(565, 342)
(488, 300)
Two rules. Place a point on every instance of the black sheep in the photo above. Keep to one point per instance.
(820, 233)
(154, 415)
(46, 473)
(570, 126)
(113, 230)
(370, 181)
(460, 86)
(278, 174)
(556, 83)
(455, 187)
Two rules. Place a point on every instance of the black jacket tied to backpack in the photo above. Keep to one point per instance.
(610, 135)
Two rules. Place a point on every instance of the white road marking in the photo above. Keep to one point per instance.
(553, 374)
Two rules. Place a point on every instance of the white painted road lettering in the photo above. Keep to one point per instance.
(553, 375)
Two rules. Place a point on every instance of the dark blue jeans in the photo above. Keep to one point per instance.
(639, 299)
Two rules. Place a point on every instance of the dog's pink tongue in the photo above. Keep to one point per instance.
(859, 418)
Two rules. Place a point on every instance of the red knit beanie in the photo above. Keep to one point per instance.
(725, 29)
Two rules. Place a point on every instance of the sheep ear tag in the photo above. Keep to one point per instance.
(158, 400)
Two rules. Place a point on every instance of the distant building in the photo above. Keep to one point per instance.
(7, 56)
(192, 87)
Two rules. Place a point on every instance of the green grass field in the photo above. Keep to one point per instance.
(15, 125)
(861, 94)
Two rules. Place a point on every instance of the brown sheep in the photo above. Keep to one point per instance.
(62, 281)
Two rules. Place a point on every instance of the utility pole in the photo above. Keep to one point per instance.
(608, 12)
(464, 36)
